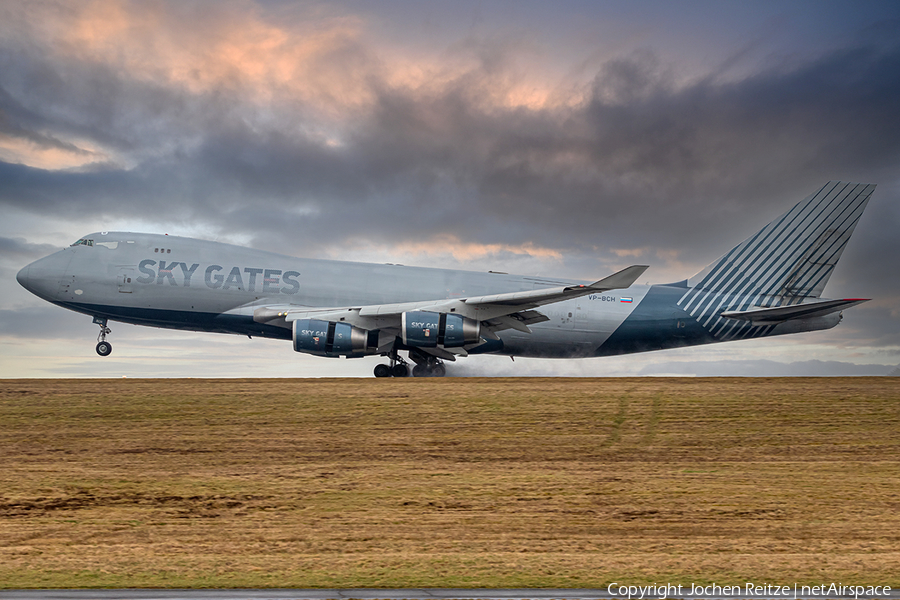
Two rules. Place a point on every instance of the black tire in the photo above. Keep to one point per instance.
(382, 371)
(400, 371)
(104, 348)
(420, 371)
(438, 370)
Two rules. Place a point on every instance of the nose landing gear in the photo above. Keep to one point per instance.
(104, 348)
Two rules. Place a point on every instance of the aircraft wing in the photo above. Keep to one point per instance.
(512, 310)
(777, 314)
(621, 279)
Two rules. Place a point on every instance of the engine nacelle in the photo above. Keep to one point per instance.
(325, 338)
(425, 329)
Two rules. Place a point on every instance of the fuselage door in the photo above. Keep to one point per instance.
(124, 278)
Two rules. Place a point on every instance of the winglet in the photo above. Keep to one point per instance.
(622, 279)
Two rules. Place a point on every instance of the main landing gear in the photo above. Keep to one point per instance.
(397, 368)
(426, 365)
(434, 368)
(104, 348)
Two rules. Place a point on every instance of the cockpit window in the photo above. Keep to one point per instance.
(84, 242)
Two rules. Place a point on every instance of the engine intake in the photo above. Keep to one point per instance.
(325, 338)
(425, 329)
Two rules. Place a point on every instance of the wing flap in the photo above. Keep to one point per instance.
(778, 314)
(518, 321)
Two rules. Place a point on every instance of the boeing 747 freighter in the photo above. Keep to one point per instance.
(769, 284)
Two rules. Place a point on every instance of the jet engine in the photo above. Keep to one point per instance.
(324, 338)
(425, 329)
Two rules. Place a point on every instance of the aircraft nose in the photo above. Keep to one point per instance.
(23, 277)
(42, 277)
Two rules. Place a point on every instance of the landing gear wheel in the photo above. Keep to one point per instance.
(420, 371)
(382, 371)
(104, 348)
(400, 370)
(438, 370)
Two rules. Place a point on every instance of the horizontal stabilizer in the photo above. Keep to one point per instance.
(777, 314)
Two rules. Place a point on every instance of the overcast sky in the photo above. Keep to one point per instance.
(565, 138)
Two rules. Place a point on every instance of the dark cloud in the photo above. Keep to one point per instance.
(642, 161)
(21, 249)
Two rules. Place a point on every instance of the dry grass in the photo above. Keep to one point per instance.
(448, 483)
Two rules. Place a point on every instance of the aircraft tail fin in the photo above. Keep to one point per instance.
(790, 259)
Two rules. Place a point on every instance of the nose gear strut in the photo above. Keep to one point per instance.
(104, 348)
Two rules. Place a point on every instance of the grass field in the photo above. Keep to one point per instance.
(448, 482)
